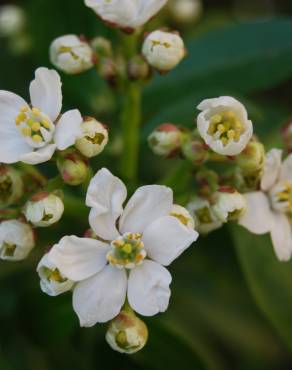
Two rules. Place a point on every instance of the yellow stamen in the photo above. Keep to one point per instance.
(36, 126)
(231, 134)
(46, 124)
(24, 109)
(36, 111)
(37, 138)
(26, 131)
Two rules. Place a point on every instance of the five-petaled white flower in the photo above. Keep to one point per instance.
(269, 209)
(128, 14)
(31, 133)
(128, 258)
(224, 125)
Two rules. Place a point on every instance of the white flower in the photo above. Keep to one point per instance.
(71, 54)
(52, 282)
(12, 20)
(224, 125)
(28, 133)
(92, 139)
(229, 204)
(185, 11)
(163, 50)
(269, 210)
(165, 140)
(183, 215)
(16, 240)
(128, 258)
(43, 209)
(11, 186)
(127, 14)
(204, 216)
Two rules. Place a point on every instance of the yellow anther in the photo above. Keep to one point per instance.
(238, 124)
(21, 117)
(221, 128)
(127, 248)
(217, 118)
(230, 115)
(37, 138)
(231, 134)
(24, 109)
(30, 122)
(224, 140)
(36, 111)
(26, 131)
(36, 126)
(46, 124)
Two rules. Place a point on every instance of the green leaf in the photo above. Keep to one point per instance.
(269, 280)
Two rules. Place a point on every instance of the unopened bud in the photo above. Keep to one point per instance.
(108, 70)
(138, 69)
(71, 54)
(165, 140)
(11, 186)
(204, 216)
(93, 139)
(12, 20)
(127, 333)
(185, 11)
(287, 136)
(229, 204)
(183, 215)
(252, 158)
(102, 47)
(16, 240)
(73, 167)
(44, 209)
(163, 50)
(195, 151)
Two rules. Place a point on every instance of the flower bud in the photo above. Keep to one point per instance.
(73, 167)
(224, 125)
(12, 20)
(71, 54)
(183, 215)
(102, 47)
(185, 11)
(287, 136)
(229, 204)
(52, 281)
(165, 140)
(93, 139)
(127, 333)
(204, 216)
(138, 69)
(195, 151)
(11, 186)
(44, 209)
(163, 50)
(252, 158)
(16, 240)
(108, 70)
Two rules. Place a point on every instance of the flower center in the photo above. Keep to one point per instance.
(53, 275)
(281, 197)
(5, 188)
(35, 126)
(225, 126)
(127, 251)
(8, 249)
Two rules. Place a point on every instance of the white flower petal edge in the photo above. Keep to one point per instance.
(46, 93)
(79, 258)
(286, 169)
(106, 195)
(101, 297)
(258, 217)
(148, 290)
(148, 203)
(166, 239)
(39, 156)
(272, 169)
(68, 129)
(281, 234)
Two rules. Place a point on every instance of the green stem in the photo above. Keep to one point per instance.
(130, 117)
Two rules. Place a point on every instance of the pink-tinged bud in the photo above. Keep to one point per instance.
(11, 186)
(73, 168)
(127, 333)
(165, 140)
(138, 69)
(195, 151)
(287, 136)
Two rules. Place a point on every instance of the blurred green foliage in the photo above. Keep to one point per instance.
(231, 307)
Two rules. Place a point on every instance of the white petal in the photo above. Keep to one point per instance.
(148, 288)
(166, 238)
(101, 297)
(46, 93)
(282, 237)
(258, 217)
(12, 144)
(146, 205)
(286, 170)
(149, 9)
(106, 194)
(272, 169)
(79, 258)
(39, 156)
(68, 129)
